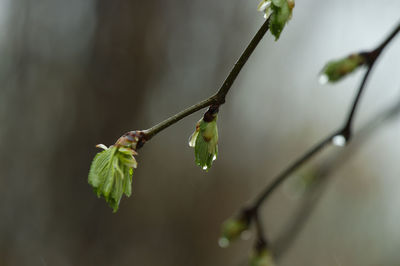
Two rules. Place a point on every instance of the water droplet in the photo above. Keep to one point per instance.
(264, 5)
(214, 157)
(323, 79)
(339, 140)
(205, 167)
(223, 242)
(192, 139)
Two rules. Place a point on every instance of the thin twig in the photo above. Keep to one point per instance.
(371, 58)
(151, 132)
(223, 91)
(261, 241)
(314, 193)
(282, 176)
(219, 97)
(345, 131)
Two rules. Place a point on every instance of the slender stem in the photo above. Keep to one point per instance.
(241, 62)
(283, 175)
(320, 182)
(347, 130)
(371, 58)
(149, 133)
(261, 242)
(219, 97)
(388, 39)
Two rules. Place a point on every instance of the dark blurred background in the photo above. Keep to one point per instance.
(77, 73)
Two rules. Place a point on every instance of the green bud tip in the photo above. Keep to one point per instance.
(232, 229)
(262, 257)
(204, 140)
(335, 70)
(279, 11)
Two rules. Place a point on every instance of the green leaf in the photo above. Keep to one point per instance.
(262, 258)
(278, 3)
(281, 13)
(336, 70)
(205, 143)
(111, 172)
(99, 170)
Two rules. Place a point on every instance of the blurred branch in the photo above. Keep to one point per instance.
(317, 188)
(261, 241)
(343, 132)
(371, 58)
(218, 98)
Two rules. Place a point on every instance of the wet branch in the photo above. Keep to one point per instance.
(219, 97)
(344, 132)
(327, 168)
(371, 58)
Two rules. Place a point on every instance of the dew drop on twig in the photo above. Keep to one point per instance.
(339, 140)
(323, 79)
(223, 242)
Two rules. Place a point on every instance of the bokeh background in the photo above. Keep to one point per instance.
(77, 73)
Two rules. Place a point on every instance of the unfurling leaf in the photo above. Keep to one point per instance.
(111, 172)
(335, 70)
(204, 140)
(279, 11)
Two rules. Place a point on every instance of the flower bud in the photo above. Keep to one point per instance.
(336, 70)
(233, 228)
(279, 11)
(132, 139)
(204, 139)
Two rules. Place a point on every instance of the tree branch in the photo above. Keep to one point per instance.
(219, 97)
(314, 193)
(371, 58)
(345, 131)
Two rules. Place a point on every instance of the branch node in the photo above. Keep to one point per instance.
(132, 139)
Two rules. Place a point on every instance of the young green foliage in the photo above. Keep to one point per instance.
(335, 70)
(111, 172)
(232, 229)
(280, 12)
(205, 140)
(262, 257)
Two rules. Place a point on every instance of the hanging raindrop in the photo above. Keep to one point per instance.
(223, 242)
(323, 79)
(339, 140)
